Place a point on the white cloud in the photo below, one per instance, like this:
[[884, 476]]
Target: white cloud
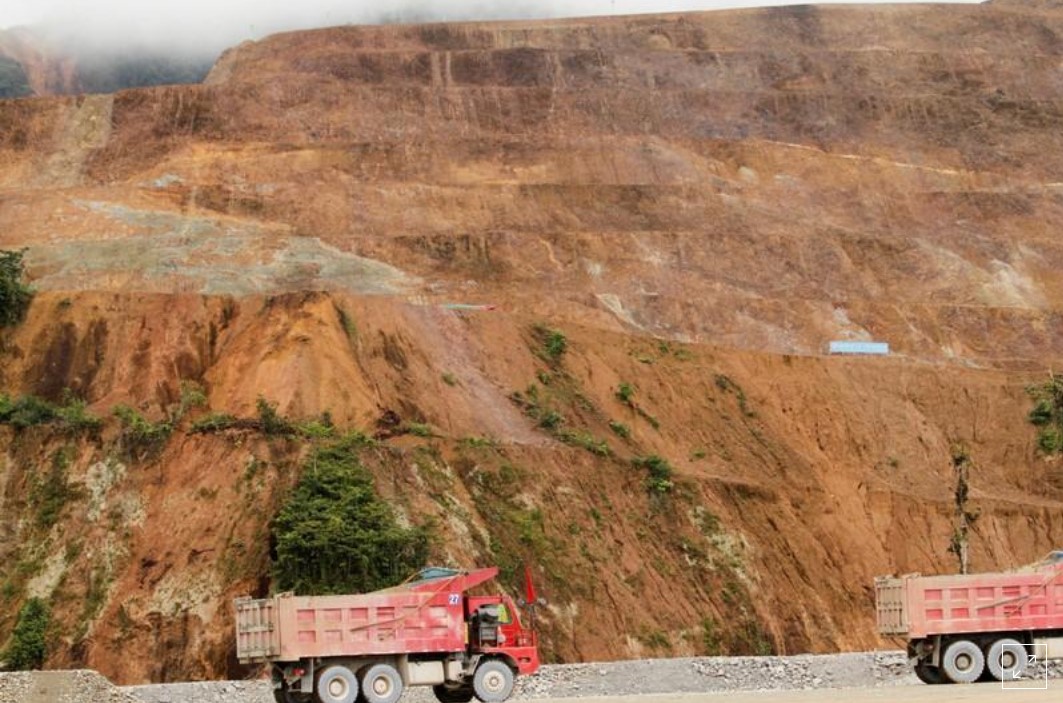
[[213, 24]]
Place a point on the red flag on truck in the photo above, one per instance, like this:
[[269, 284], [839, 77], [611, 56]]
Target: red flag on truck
[[529, 587]]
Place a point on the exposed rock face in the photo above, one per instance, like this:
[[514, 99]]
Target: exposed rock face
[[699, 202]]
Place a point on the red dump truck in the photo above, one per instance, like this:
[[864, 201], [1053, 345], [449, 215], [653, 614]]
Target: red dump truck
[[964, 628], [428, 631]]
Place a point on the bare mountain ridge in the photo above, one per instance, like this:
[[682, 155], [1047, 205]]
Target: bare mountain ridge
[[700, 202]]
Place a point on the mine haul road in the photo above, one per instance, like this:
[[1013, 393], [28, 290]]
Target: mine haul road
[[976, 693]]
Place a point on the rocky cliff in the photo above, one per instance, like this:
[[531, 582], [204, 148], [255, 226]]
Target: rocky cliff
[[396, 226]]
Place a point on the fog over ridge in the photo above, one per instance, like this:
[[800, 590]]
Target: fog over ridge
[[201, 27]]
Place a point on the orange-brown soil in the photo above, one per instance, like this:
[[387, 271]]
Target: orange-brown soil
[[699, 202]]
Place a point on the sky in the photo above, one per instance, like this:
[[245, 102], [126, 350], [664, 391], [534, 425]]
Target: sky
[[213, 24]]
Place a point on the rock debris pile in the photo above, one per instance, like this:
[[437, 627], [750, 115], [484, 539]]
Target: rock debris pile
[[61, 687]]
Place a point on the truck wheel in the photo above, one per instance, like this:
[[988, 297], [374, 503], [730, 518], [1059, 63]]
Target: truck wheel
[[381, 683], [493, 681], [1005, 659], [445, 694], [962, 662], [336, 684], [930, 674]]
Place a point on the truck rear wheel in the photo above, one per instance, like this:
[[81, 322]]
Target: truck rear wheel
[[336, 684], [930, 674], [962, 661], [447, 694], [493, 681], [1005, 659], [381, 683]]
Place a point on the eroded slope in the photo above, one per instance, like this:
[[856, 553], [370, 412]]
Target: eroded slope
[[698, 202]]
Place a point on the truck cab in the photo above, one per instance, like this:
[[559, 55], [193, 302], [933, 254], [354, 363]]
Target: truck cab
[[495, 629]]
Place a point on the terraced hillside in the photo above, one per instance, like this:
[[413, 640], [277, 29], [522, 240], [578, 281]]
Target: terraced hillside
[[530, 257]]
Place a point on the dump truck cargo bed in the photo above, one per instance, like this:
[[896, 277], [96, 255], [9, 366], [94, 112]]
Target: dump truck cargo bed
[[1020, 601]]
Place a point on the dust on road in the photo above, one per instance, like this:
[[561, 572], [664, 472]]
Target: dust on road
[[893, 694]]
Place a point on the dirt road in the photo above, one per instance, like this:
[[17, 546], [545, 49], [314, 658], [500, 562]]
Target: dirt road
[[892, 694]]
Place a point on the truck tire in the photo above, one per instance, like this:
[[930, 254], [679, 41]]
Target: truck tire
[[962, 661], [1005, 659], [493, 681], [929, 674], [336, 684], [446, 694], [381, 683]]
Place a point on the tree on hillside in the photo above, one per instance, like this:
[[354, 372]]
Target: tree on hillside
[[15, 295], [28, 646], [13, 81], [336, 535]]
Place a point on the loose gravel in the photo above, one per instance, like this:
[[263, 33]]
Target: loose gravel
[[61, 687], [690, 675], [647, 676]]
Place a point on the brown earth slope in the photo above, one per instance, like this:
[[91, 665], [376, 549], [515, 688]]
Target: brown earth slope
[[699, 202]]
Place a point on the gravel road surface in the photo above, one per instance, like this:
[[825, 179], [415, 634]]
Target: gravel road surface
[[863, 677], [978, 693]]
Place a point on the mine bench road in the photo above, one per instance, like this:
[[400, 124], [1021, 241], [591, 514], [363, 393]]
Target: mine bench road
[[887, 694]]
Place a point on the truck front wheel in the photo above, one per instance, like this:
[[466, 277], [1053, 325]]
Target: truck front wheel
[[962, 661], [493, 681], [336, 684]]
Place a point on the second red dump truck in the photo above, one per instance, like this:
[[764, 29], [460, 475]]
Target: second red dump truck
[[330, 649], [978, 626]]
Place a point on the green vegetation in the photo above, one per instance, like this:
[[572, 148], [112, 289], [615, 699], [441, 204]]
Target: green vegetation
[[74, 417], [141, 437], [450, 379], [419, 429], [711, 646], [725, 384], [317, 428], [25, 411], [1047, 413], [620, 429], [656, 640], [553, 343], [478, 442], [29, 646], [192, 396], [517, 529], [213, 422], [49, 493], [585, 440], [15, 295], [13, 80], [95, 598], [30, 411], [336, 535], [551, 420], [625, 393], [659, 478], [270, 422]]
